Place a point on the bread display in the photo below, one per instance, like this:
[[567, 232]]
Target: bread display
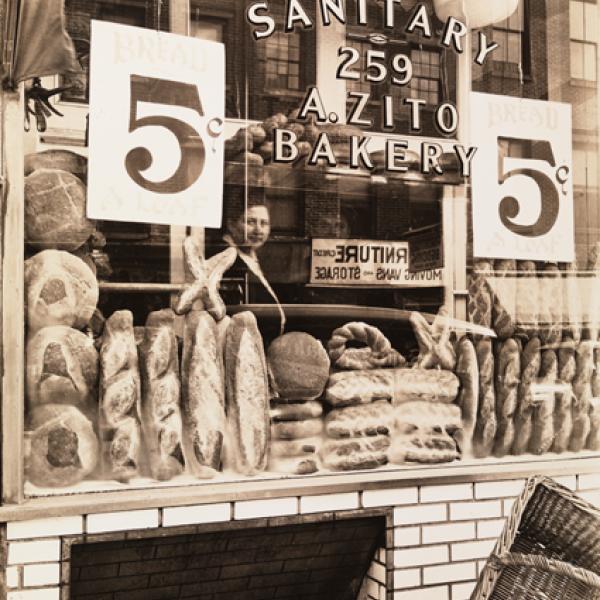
[[161, 396], [120, 399], [420, 414], [479, 306], [376, 418], [468, 397], [61, 447], [378, 352], [202, 395], [563, 417], [296, 465], [296, 430], [60, 289], [531, 360], [430, 449], [572, 304], [355, 453], [486, 425], [292, 448], [298, 366], [57, 159], [247, 395], [551, 310], [55, 209], [593, 440], [542, 429], [582, 389], [62, 368], [348, 388], [508, 375]]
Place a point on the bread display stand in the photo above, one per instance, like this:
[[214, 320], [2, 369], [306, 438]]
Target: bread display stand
[[548, 548]]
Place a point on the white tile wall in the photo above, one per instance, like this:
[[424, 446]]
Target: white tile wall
[[192, 515], [39, 528], [23, 553], [122, 520], [273, 507], [412, 515], [39, 575], [433, 534], [391, 497], [41, 594], [328, 502]]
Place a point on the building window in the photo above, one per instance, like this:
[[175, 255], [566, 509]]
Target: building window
[[426, 80], [279, 62], [585, 167], [583, 26], [511, 36]]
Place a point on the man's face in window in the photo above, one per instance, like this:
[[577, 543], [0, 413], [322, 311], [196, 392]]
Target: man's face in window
[[252, 231]]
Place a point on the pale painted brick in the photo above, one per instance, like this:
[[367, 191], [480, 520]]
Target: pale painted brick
[[327, 502], [593, 497], [490, 529], [372, 588], [39, 528], [449, 573], [21, 553], [41, 594], [472, 550], [377, 572], [453, 532], [460, 511], [122, 520], [413, 515], [407, 578], [445, 493], [39, 575], [480, 565], [12, 577], [392, 497], [590, 481], [507, 506], [569, 481], [463, 591], [415, 557], [382, 592], [271, 507], [439, 592], [191, 515], [499, 489], [381, 555], [407, 536]]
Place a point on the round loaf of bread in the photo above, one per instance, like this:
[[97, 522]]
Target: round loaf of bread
[[60, 289], [62, 368], [65, 160], [61, 447], [298, 365], [55, 204]]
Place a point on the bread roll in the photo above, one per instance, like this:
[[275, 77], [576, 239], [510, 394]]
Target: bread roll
[[376, 418], [486, 425], [530, 368], [582, 388], [297, 465], [120, 399], [355, 453], [203, 395], [426, 416], [62, 368], [468, 397], [60, 289], [55, 208], [296, 430], [247, 395], [508, 375], [435, 348], [297, 411], [291, 448], [349, 388], [427, 449], [61, 446], [161, 396], [298, 366], [527, 300]]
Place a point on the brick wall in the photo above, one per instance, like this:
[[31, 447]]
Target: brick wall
[[437, 540]]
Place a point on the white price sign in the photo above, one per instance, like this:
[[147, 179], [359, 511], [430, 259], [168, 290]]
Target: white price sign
[[522, 185], [157, 104]]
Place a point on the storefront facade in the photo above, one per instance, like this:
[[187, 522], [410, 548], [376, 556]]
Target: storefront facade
[[406, 330]]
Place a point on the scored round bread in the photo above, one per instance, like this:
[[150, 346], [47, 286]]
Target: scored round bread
[[298, 366], [64, 160], [61, 447], [60, 289], [55, 206], [295, 430], [297, 411], [62, 368]]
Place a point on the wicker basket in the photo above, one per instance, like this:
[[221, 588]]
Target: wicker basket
[[549, 548]]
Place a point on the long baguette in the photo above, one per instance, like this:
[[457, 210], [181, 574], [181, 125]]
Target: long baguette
[[527, 302], [542, 431], [530, 367], [485, 428], [504, 289], [468, 373], [593, 440], [582, 388], [508, 375], [563, 417]]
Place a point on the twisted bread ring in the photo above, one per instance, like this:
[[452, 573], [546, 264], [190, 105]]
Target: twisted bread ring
[[359, 332]]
